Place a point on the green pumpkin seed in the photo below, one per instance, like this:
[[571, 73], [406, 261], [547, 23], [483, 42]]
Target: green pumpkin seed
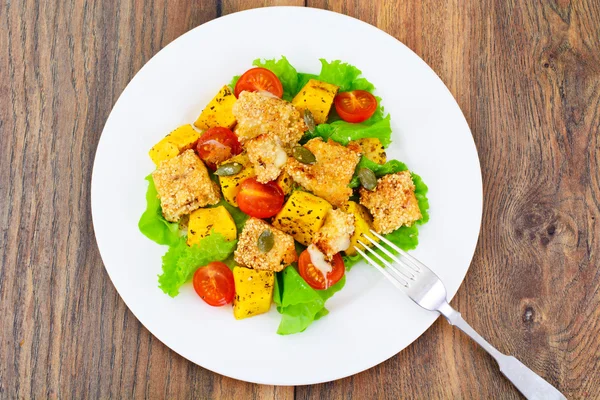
[[265, 241], [309, 120], [229, 169], [367, 178], [304, 155]]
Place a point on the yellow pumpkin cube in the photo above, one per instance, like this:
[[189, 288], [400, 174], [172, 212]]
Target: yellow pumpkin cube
[[253, 291], [317, 97], [363, 223], [302, 216], [285, 182], [218, 111], [205, 220], [372, 149], [175, 143], [230, 185]]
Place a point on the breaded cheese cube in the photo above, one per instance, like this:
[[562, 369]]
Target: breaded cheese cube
[[302, 216], [176, 142], [247, 254], [393, 202], [372, 149], [330, 175], [268, 157], [183, 185], [219, 111], [334, 235], [259, 113], [317, 97]]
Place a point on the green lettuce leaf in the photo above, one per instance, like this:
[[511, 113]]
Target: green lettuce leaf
[[152, 223], [344, 132], [350, 261], [298, 303], [344, 75], [181, 261], [421, 195], [234, 81]]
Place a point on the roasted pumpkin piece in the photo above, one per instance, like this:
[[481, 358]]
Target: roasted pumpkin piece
[[302, 216], [205, 220], [175, 143], [317, 97], [285, 182], [230, 185], [372, 149], [253, 291], [218, 111], [363, 223]]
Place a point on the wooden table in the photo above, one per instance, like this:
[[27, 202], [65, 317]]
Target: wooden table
[[525, 73]]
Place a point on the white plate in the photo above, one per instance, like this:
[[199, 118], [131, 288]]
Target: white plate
[[369, 319]]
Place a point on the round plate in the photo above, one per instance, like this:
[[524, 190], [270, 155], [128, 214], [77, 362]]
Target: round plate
[[369, 320]]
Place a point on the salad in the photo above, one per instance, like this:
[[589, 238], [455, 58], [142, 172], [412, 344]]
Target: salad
[[266, 196]]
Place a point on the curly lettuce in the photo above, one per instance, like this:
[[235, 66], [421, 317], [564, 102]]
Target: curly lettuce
[[343, 132], [298, 303]]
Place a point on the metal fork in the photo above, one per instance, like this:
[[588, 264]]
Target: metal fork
[[427, 290]]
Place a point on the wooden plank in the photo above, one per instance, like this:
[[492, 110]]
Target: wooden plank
[[231, 6], [64, 331], [526, 76]]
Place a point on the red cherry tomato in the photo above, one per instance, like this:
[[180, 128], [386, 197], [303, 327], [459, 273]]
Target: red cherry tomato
[[355, 106], [260, 200], [314, 277], [257, 79], [214, 284], [217, 145]]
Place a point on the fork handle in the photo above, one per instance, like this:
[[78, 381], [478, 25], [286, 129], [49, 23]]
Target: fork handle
[[531, 385]]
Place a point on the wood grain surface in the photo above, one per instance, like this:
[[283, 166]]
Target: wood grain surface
[[527, 77]]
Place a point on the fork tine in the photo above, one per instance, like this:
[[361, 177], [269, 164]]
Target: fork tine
[[380, 257], [391, 267], [395, 280], [393, 257], [417, 266]]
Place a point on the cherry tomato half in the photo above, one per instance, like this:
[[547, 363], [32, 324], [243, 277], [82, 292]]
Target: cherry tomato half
[[217, 145], [257, 79], [314, 277], [214, 284], [260, 200], [355, 106]]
